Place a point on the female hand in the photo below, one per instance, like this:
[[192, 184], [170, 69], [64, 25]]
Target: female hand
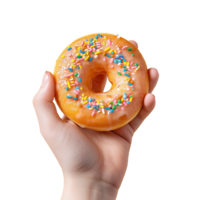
[[93, 163]]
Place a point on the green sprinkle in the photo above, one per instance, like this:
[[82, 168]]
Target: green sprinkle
[[132, 54], [136, 64], [92, 52], [111, 102], [129, 49], [119, 73], [112, 52], [113, 107], [117, 104], [133, 89], [79, 56], [130, 95], [75, 74], [119, 100]]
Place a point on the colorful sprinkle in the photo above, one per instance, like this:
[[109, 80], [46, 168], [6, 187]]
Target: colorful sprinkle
[[129, 49], [69, 48]]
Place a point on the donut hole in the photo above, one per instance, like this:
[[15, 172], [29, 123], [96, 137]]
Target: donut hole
[[98, 81]]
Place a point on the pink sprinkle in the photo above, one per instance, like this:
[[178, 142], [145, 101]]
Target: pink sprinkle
[[97, 42], [104, 59], [80, 59], [69, 75], [76, 82], [122, 108], [78, 90], [82, 43], [131, 85], [75, 92], [90, 103], [98, 46], [129, 94], [90, 50], [116, 110], [124, 103], [126, 99], [111, 66], [129, 69], [131, 63], [106, 102], [70, 55], [133, 67], [109, 41], [111, 60], [119, 51], [73, 84], [88, 44], [124, 47], [94, 49], [74, 57], [109, 106], [93, 112], [115, 101]]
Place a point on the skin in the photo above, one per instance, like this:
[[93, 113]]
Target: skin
[[93, 163]]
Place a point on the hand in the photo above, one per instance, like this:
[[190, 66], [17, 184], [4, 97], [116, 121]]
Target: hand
[[93, 163]]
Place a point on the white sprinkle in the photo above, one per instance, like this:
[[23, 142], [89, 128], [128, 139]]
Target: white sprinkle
[[95, 56]]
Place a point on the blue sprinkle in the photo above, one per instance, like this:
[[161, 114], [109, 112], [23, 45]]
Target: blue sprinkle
[[67, 88], [90, 59], [107, 108], [69, 48], [79, 79], [96, 37], [77, 67], [119, 61], [115, 61], [108, 55], [123, 59], [89, 100], [97, 108], [124, 66], [75, 99], [117, 57], [124, 70], [88, 106], [69, 97], [111, 111], [86, 40], [70, 69], [95, 47], [127, 75], [99, 35], [124, 96], [130, 84], [81, 51], [93, 107], [93, 99], [127, 102], [76, 87], [91, 43], [91, 39], [121, 55]]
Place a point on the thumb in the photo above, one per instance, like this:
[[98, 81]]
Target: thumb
[[45, 109]]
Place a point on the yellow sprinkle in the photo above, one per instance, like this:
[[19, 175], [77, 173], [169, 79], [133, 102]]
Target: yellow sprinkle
[[63, 56], [95, 40], [93, 45], [68, 46], [137, 69], [102, 106], [130, 99], [98, 101], [68, 84], [111, 51], [79, 47], [107, 49], [73, 65], [83, 55], [87, 42], [122, 99], [83, 94], [98, 52], [73, 60], [108, 103], [78, 54], [115, 51], [87, 58], [105, 38], [87, 53], [103, 43], [127, 64], [80, 66], [126, 79], [85, 97], [82, 98], [71, 77], [90, 108], [75, 51], [81, 88], [84, 102], [124, 63], [72, 82]]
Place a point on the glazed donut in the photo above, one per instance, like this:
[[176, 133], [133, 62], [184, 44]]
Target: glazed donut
[[76, 69]]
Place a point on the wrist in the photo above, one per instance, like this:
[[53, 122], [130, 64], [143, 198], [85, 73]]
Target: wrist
[[81, 188]]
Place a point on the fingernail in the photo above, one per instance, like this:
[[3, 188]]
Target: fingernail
[[45, 78]]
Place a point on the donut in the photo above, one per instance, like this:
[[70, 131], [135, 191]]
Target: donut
[[76, 69]]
